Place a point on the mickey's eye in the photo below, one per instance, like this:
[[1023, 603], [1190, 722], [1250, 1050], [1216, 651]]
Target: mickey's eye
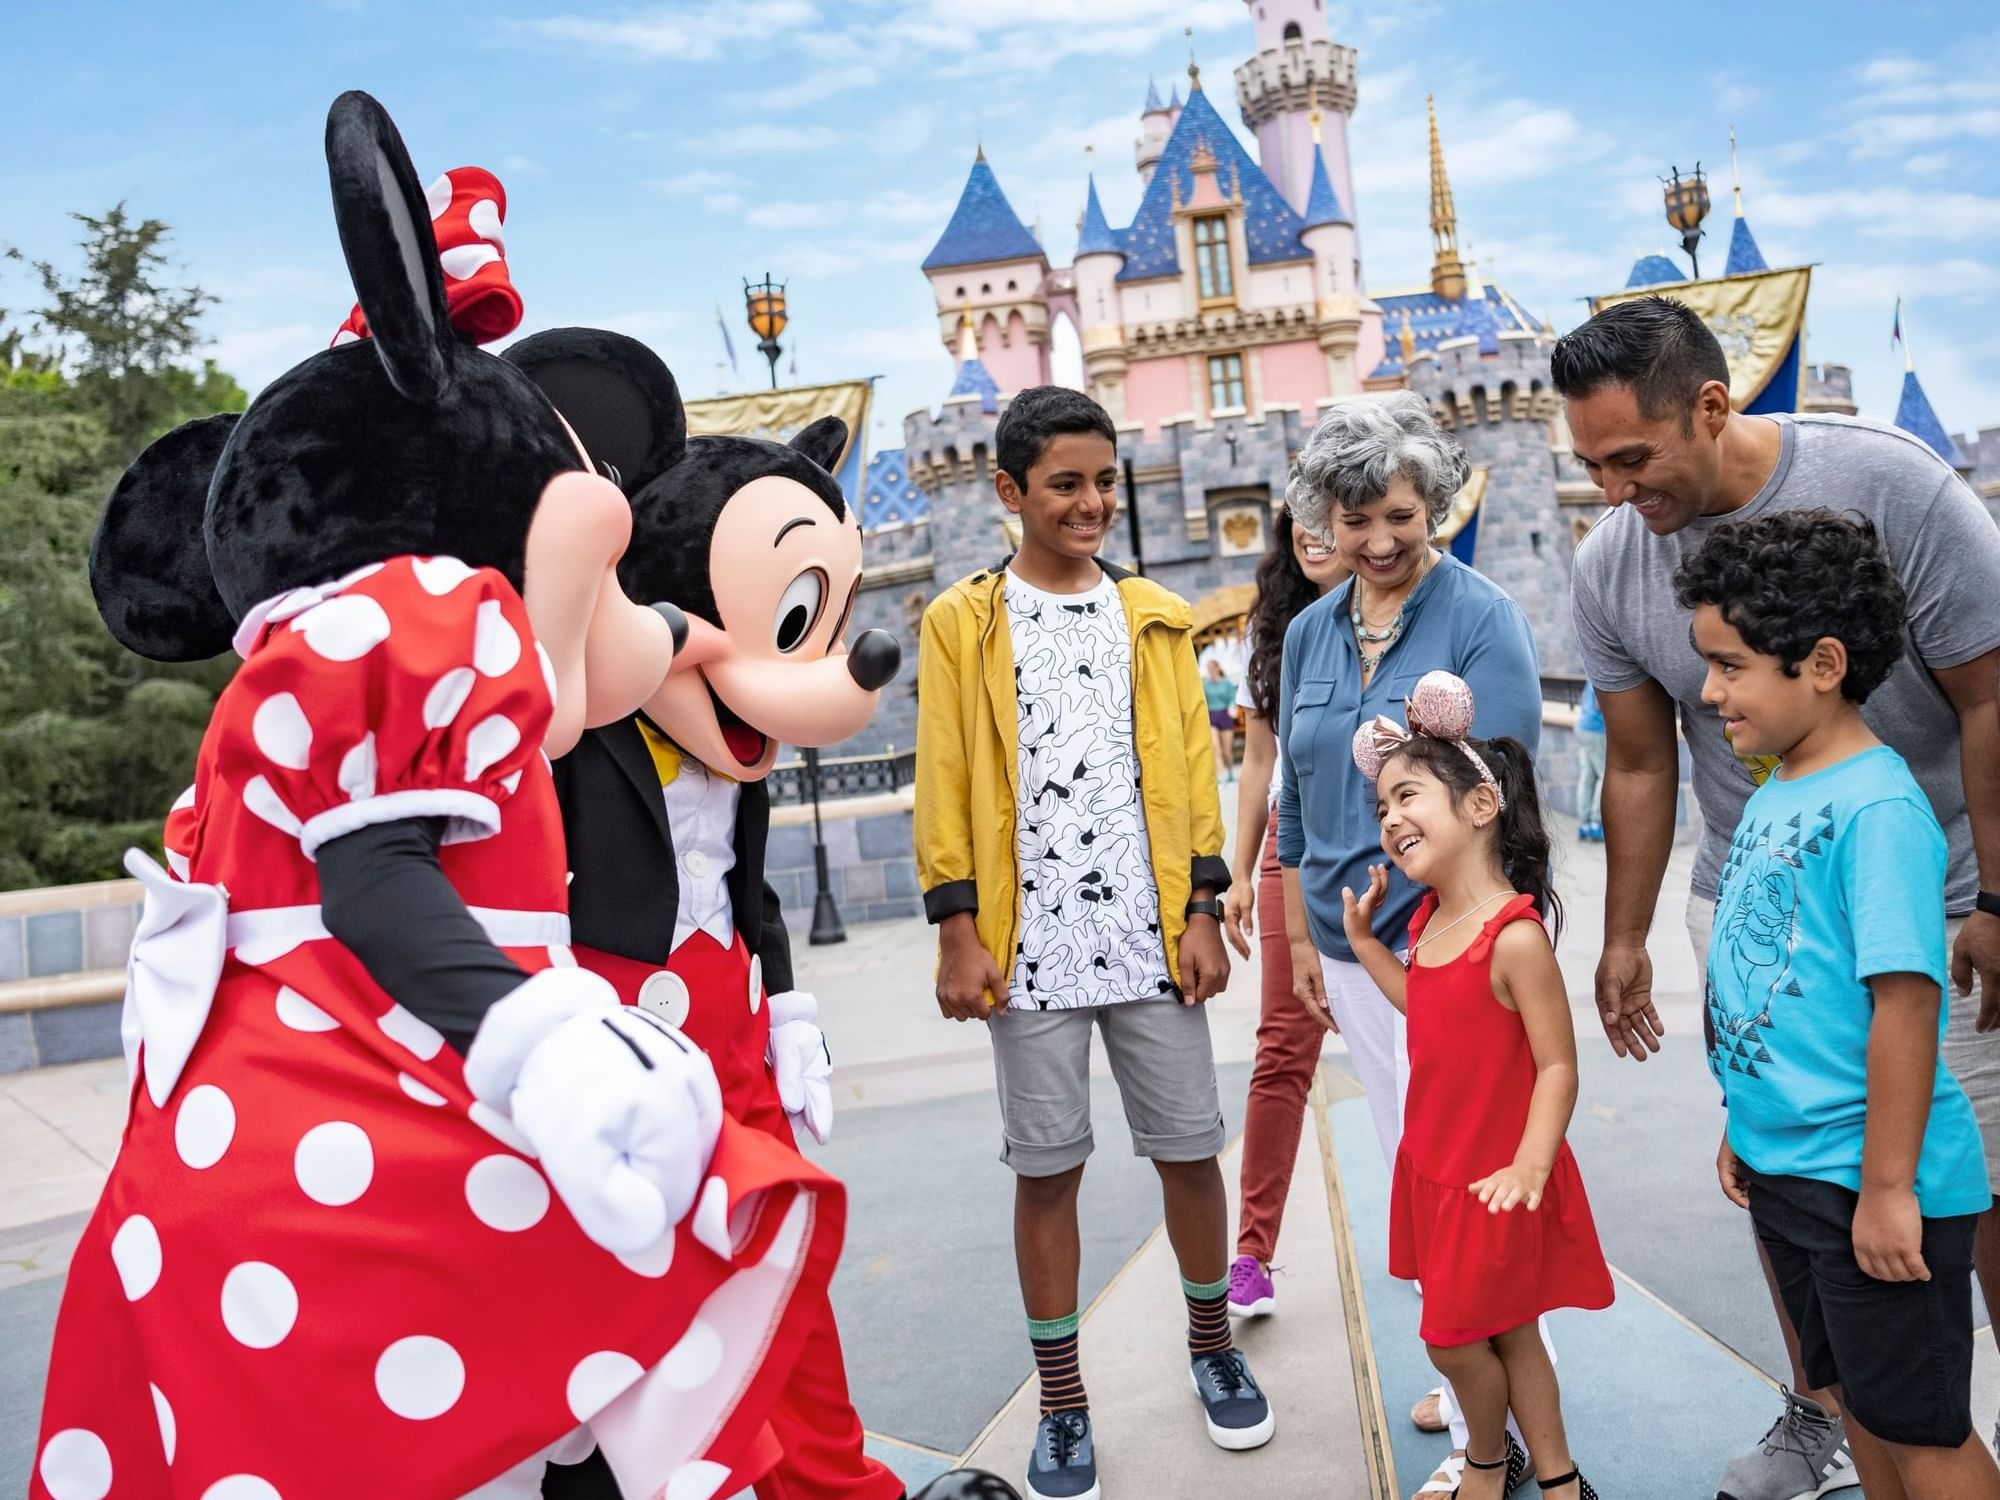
[[799, 609]]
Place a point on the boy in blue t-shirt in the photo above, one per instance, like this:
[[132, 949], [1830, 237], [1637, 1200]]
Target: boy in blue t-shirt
[[1851, 1145]]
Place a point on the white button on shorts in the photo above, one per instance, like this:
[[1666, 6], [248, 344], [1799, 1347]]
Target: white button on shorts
[[666, 996]]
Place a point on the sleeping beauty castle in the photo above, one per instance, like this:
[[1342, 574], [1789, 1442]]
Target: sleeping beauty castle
[[1221, 321]]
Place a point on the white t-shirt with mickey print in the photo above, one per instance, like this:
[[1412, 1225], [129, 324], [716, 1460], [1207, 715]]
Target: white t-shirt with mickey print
[[1090, 911]]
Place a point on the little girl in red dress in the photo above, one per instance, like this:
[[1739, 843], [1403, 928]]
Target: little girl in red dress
[[1487, 1210]]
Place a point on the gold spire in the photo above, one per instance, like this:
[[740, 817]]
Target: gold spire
[[1194, 71], [1408, 340], [968, 339], [1315, 120], [1447, 275], [1735, 180]]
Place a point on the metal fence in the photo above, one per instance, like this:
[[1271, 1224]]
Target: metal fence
[[844, 776], [1561, 688]]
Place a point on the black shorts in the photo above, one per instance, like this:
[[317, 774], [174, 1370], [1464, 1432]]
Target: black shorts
[[1900, 1351]]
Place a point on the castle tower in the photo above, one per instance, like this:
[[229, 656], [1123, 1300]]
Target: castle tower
[[1447, 275], [1156, 123], [1493, 392], [1099, 259], [1298, 69], [1744, 256], [1329, 234], [988, 265]]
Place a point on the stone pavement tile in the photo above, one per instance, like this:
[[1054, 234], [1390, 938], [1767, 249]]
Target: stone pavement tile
[[1144, 1415], [85, 1101], [27, 1321], [43, 1174]]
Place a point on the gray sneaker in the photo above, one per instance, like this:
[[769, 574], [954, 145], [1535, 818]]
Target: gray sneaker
[[1064, 1463], [1802, 1457]]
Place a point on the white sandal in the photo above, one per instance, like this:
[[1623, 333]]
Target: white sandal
[[1445, 1479], [1435, 1393]]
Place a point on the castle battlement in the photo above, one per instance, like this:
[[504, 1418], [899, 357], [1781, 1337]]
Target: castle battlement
[[1300, 76], [949, 446], [1508, 382]]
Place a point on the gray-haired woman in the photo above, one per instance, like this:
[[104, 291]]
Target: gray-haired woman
[[1375, 479]]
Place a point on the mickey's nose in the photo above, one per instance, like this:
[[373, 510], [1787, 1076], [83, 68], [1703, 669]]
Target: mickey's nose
[[873, 659]]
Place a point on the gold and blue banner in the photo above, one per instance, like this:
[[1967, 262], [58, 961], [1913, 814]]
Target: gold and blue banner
[[779, 415], [1759, 319]]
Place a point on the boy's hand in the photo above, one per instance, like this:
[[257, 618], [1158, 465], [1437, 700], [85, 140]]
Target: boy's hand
[[1239, 913], [970, 986], [1889, 1234], [1309, 984], [1358, 916], [1517, 1183], [1204, 964], [1729, 1172]]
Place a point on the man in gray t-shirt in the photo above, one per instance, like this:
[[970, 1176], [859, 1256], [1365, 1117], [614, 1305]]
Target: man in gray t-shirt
[[1648, 407]]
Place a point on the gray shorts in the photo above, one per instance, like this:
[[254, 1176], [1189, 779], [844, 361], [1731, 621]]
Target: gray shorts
[[1162, 1061], [1973, 1057]]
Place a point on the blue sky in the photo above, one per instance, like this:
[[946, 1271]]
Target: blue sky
[[654, 156]]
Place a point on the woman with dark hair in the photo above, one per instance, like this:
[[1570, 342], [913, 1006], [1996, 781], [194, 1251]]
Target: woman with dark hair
[[1376, 478], [1295, 570]]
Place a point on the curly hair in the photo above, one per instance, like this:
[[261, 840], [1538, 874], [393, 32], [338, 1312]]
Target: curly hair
[[1525, 854], [1359, 447], [1282, 591], [1788, 581]]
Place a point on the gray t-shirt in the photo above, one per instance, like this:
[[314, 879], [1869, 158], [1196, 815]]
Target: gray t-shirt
[[1944, 546]]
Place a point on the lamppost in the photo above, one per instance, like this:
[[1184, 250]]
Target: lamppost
[[1687, 206], [765, 306], [827, 927]]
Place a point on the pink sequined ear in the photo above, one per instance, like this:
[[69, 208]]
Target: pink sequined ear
[[1441, 706], [1367, 753]]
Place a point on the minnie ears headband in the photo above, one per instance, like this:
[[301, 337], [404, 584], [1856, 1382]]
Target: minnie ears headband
[[1439, 707], [468, 207]]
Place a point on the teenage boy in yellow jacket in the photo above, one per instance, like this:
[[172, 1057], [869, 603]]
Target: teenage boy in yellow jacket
[[1069, 842]]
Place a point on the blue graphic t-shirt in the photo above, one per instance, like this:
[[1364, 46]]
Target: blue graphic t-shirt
[[1832, 878]]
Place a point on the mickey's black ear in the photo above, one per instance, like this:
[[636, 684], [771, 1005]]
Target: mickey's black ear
[[148, 562], [615, 392], [385, 231], [823, 442]]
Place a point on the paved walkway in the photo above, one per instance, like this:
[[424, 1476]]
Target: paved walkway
[[1660, 1389]]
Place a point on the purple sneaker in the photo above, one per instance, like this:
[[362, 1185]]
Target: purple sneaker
[[1251, 1294]]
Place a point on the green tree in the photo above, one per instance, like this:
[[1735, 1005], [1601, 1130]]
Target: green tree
[[94, 741]]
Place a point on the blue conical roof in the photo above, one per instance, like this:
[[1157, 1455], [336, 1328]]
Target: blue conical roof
[[1323, 203], [984, 226], [975, 380], [1654, 270], [1095, 234], [1153, 101], [1744, 256], [1271, 227], [1914, 416]]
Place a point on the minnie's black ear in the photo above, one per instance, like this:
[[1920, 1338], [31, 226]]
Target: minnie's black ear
[[385, 231], [823, 442], [615, 392], [148, 562]]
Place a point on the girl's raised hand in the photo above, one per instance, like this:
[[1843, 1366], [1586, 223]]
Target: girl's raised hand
[[1358, 916], [1514, 1184]]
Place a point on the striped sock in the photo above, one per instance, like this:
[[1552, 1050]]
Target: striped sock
[[1208, 1316], [1054, 1340]]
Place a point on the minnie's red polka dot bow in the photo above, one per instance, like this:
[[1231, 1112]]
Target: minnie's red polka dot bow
[[468, 207]]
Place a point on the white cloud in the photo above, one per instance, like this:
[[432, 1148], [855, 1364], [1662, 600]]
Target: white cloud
[[700, 180], [521, 166], [761, 137], [257, 354], [683, 32], [1893, 134], [1734, 94]]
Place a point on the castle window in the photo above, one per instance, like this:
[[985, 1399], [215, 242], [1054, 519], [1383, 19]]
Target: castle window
[[1225, 382], [1292, 32], [1211, 258]]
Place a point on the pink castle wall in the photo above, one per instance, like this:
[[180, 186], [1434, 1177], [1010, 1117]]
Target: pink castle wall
[[1015, 363], [1156, 389], [1295, 373]]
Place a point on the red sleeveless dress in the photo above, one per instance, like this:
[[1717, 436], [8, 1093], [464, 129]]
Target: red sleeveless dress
[[1471, 1077]]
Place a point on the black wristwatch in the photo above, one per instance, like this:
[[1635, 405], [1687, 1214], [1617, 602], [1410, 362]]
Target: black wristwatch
[[1208, 906], [1989, 902]]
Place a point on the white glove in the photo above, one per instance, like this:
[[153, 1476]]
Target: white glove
[[622, 1109], [801, 1062]]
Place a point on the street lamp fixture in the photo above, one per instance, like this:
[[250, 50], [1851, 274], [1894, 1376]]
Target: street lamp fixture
[[1687, 206], [765, 306]]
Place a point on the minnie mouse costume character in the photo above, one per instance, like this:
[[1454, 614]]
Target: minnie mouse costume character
[[667, 812], [406, 1202]]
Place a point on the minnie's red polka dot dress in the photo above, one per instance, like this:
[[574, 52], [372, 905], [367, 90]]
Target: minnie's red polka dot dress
[[319, 1267]]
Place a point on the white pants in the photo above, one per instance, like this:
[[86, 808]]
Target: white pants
[[1376, 1040]]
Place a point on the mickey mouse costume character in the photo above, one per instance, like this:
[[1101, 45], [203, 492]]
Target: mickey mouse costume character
[[667, 811], [406, 1203]]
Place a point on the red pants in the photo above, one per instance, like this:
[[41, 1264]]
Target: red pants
[[814, 1422], [1288, 1043]]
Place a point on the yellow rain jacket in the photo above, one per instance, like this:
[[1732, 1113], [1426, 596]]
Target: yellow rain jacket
[[968, 761]]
